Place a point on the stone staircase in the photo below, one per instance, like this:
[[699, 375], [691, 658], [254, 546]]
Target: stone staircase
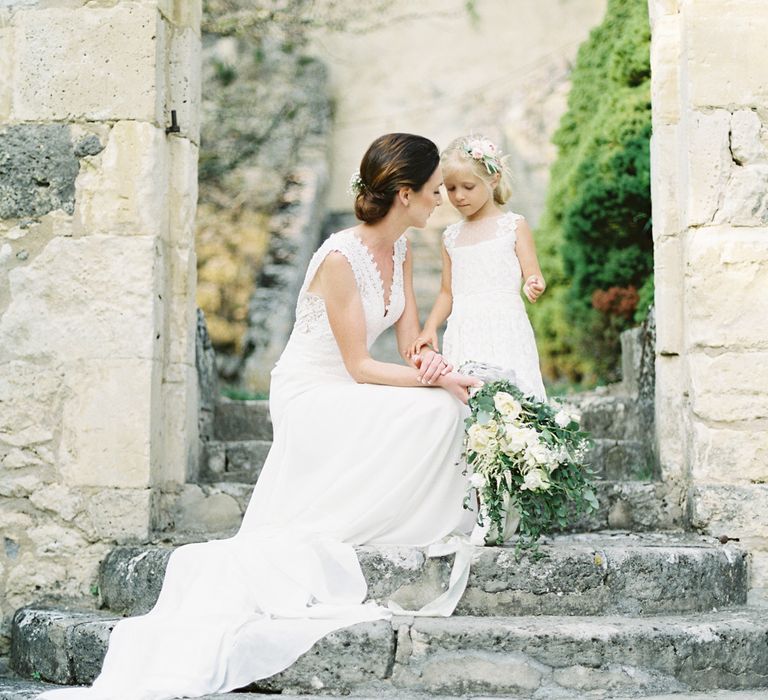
[[626, 604]]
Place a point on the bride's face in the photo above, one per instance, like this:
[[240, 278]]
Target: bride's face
[[423, 202]]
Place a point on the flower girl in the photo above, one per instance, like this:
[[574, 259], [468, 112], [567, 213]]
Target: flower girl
[[486, 257]]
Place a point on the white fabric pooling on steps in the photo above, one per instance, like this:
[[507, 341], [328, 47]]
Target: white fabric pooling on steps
[[350, 464]]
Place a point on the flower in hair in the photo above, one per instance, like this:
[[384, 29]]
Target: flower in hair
[[356, 184], [484, 150]]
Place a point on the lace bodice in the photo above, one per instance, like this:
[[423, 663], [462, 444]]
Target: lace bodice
[[312, 340], [483, 257]]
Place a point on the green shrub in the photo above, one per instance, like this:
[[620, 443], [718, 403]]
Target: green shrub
[[595, 233]]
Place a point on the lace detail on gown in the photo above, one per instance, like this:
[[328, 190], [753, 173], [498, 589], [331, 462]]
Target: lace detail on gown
[[311, 317], [488, 322]]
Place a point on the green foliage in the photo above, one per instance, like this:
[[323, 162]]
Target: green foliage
[[242, 394], [646, 300], [519, 437], [596, 230]]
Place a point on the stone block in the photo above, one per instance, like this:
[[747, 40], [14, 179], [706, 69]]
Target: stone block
[[184, 79], [242, 420], [665, 77], [183, 192], [239, 461], [124, 190], [107, 422], [671, 409], [725, 278], [83, 298], [749, 138], [71, 69], [725, 50], [745, 203], [340, 662], [709, 165], [183, 13], [120, 515], [730, 387], [39, 170], [179, 439], [668, 265], [6, 70], [29, 410], [659, 9], [130, 578], [198, 511], [735, 511]]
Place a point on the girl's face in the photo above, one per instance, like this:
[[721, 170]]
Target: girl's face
[[421, 204], [467, 192]]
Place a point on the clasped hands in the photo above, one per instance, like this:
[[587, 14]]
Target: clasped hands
[[431, 365], [434, 370]]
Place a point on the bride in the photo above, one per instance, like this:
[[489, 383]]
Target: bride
[[364, 452]]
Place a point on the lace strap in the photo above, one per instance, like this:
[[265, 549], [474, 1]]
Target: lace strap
[[449, 235], [338, 243], [508, 225]]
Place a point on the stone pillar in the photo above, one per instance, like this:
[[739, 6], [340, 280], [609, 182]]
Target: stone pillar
[[97, 276], [709, 156]]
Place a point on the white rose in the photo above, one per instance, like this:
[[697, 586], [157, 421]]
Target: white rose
[[562, 418], [482, 438], [531, 437], [507, 405], [515, 439], [535, 480], [477, 480], [538, 454]]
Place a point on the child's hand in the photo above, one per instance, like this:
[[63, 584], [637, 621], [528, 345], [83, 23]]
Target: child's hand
[[426, 338], [533, 288]]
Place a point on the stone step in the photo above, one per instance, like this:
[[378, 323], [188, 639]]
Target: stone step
[[242, 460], [605, 417], [621, 459], [545, 656], [595, 574], [18, 689], [233, 460], [242, 420], [632, 505], [213, 508], [613, 416]]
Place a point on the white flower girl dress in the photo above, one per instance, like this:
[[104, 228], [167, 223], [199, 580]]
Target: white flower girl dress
[[488, 323], [350, 463]]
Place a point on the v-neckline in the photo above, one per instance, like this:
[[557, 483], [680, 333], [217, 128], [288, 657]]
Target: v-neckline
[[387, 303]]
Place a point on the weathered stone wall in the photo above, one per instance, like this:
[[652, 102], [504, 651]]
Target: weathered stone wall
[[710, 221], [97, 314]]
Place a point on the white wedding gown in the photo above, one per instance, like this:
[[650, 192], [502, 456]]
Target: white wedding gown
[[488, 323], [350, 464]]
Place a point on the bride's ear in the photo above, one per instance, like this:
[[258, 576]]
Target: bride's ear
[[404, 195]]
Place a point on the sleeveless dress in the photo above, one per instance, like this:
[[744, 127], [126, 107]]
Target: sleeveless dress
[[488, 323], [350, 464]]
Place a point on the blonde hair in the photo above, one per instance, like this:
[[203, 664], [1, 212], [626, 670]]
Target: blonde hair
[[480, 155]]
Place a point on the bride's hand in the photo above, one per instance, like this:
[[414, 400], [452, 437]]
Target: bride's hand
[[458, 385], [431, 366]]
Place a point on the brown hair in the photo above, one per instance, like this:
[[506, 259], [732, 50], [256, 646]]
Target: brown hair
[[392, 161]]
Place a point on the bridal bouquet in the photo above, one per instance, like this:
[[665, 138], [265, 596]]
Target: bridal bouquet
[[524, 457]]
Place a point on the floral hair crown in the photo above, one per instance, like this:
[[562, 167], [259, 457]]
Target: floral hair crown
[[356, 184], [484, 150]]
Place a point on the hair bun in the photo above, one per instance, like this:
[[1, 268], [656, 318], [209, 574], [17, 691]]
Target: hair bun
[[372, 206]]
